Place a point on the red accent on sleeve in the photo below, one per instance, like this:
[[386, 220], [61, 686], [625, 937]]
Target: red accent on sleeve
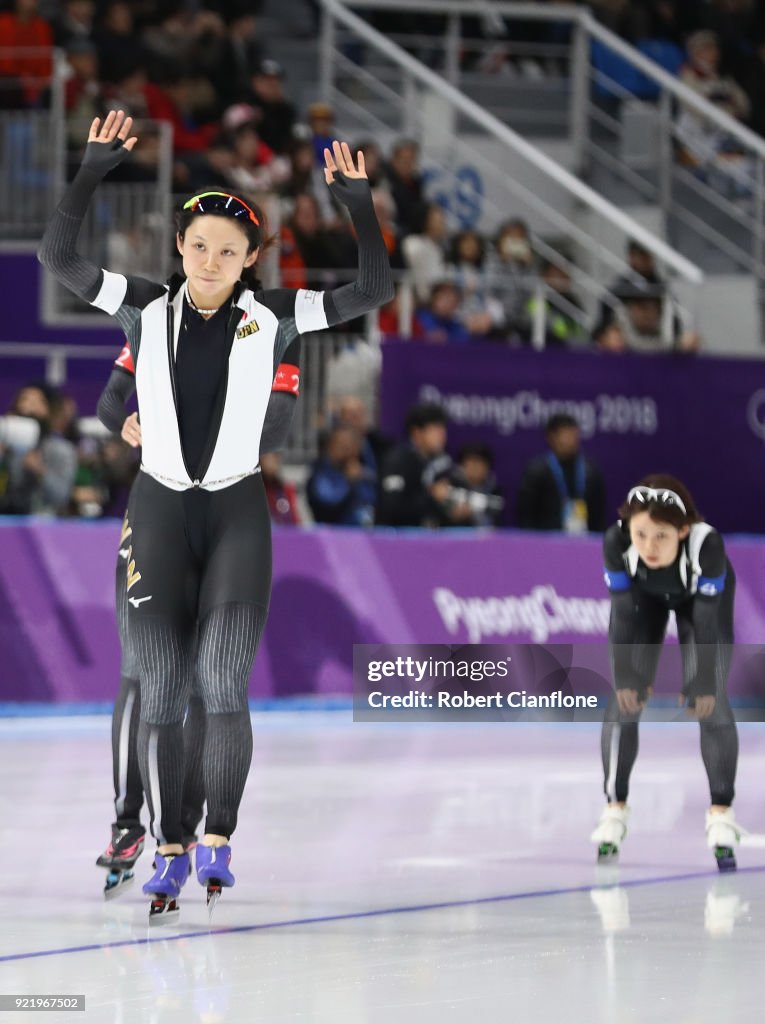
[[287, 379], [125, 360]]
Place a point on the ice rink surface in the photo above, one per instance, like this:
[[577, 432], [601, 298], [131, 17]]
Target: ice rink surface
[[393, 873]]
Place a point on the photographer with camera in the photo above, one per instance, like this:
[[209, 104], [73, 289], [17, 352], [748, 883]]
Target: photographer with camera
[[40, 465]]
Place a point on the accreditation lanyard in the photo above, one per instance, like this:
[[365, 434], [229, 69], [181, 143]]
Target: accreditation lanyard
[[574, 507]]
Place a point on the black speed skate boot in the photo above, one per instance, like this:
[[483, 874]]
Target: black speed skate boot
[[119, 858]]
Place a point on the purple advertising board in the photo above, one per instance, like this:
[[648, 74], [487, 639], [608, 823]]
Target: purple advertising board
[[701, 419], [333, 588]]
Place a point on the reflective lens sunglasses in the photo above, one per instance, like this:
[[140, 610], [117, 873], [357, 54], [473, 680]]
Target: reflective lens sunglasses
[[661, 495], [221, 202]]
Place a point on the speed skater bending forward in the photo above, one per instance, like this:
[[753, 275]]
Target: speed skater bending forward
[[659, 557], [206, 347]]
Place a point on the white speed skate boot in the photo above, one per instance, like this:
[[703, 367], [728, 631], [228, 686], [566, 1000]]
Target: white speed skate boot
[[611, 830], [723, 835]]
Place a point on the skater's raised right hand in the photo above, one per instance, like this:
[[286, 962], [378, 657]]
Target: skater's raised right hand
[[109, 143]]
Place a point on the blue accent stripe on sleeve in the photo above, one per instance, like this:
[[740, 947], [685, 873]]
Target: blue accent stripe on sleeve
[[617, 580], [710, 586]]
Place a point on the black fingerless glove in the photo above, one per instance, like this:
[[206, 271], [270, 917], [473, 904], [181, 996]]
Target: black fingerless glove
[[102, 157], [353, 193]]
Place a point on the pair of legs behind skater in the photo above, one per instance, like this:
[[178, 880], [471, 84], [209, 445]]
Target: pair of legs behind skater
[[128, 834], [205, 626]]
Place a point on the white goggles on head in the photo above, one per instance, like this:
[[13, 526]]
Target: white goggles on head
[[661, 495]]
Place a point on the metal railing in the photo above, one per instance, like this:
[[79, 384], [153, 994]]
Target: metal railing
[[29, 140], [637, 133], [584, 233], [332, 365], [703, 168], [127, 225]]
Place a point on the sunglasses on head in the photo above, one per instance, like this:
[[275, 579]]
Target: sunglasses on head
[[661, 495], [221, 202]]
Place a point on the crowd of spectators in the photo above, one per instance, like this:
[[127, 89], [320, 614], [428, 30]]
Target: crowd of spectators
[[54, 464], [208, 72]]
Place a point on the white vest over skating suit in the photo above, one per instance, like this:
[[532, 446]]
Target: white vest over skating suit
[[263, 327]]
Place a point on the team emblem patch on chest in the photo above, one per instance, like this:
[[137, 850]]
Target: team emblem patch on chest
[[247, 329]]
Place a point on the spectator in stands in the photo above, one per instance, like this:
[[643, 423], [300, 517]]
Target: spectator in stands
[[642, 267], [41, 480], [510, 269], [253, 166], [384, 208], [414, 480], [321, 121], [310, 252], [193, 41], [563, 489], [474, 475], [83, 94], [425, 252], [406, 186], [642, 282], [467, 268], [754, 80], [74, 23], [561, 307], [26, 45], [281, 496], [243, 55], [305, 176], [650, 324], [354, 370], [275, 113], [143, 99], [439, 320], [706, 147], [735, 23], [341, 489], [117, 469], [609, 337], [352, 412], [373, 162], [119, 44], [134, 249]]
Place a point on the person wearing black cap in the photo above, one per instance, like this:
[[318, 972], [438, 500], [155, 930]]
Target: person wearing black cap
[[206, 347], [276, 115], [647, 317], [414, 479]]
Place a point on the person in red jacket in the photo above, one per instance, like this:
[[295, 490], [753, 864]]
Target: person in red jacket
[[26, 45]]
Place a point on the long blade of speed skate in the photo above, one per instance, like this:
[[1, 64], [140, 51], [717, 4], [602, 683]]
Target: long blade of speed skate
[[163, 910], [117, 882], [214, 889]]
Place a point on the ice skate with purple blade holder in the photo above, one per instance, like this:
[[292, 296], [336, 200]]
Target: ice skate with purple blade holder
[[170, 874], [213, 872]]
